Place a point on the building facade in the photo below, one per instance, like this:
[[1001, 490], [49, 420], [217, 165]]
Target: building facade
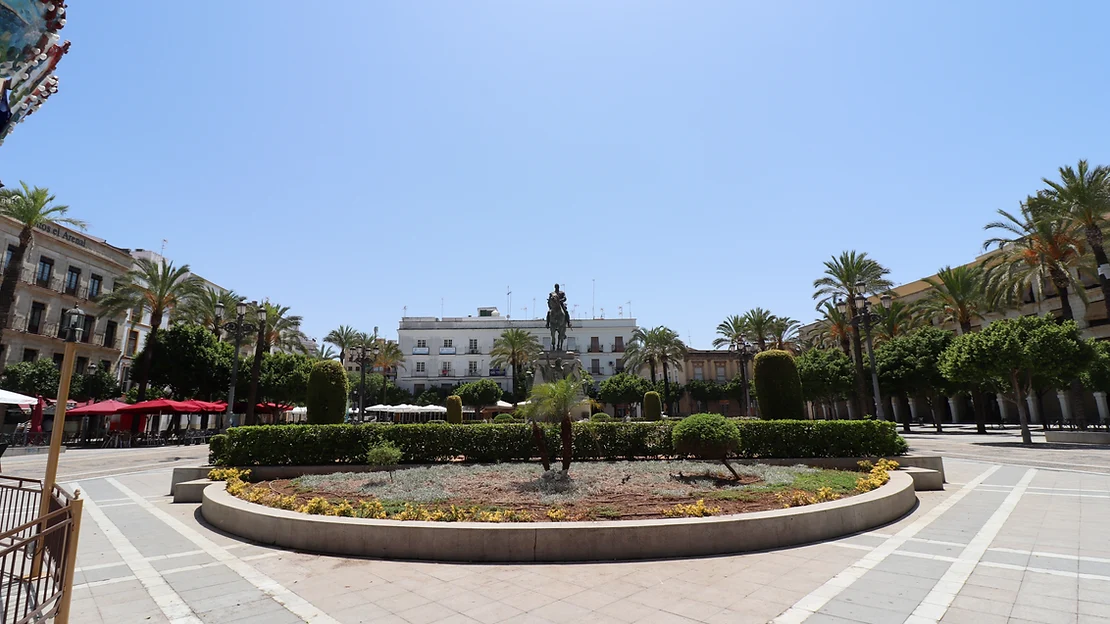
[[451, 350], [713, 366], [64, 268]]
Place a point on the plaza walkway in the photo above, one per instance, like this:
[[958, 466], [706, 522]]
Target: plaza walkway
[[1027, 540]]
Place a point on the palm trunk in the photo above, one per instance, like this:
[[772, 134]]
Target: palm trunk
[[1023, 414], [1075, 387], [566, 431], [1094, 239], [7, 287], [652, 367], [541, 445], [256, 369], [666, 388], [148, 360], [857, 346], [937, 410]]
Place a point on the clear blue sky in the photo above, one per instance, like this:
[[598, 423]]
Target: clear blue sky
[[696, 159]]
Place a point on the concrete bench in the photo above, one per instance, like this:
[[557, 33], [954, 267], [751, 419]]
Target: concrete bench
[[190, 491]]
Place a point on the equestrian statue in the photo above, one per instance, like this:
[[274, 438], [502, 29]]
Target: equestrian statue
[[558, 319]]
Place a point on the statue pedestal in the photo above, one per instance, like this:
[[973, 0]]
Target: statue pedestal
[[556, 365]]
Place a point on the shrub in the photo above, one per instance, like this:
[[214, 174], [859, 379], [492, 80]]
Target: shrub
[[777, 386], [693, 510], [327, 393], [503, 419], [653, 407], [303, 445], [601, 417], [707, 436], [454, 409], [383, 454]]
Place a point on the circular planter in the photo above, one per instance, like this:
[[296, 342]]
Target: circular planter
[[559, 541]]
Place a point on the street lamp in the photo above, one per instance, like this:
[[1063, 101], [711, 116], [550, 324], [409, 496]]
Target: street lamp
[[74, 325], [238, 326], [747, 352], [256, 365], [361, 357], [864, 314]]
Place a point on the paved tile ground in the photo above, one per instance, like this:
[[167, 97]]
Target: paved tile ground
[[1006, 542]]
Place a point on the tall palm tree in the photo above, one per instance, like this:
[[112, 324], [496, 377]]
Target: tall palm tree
[[30, 207], [896, 321], [834, 328], [202, 310], [784, 332], [850, 274], [760, 324], [517, 348], [656, 347], [553, 402], [159, 288], [732, 333], [343, 337], [388, 357], [1044, 245], [281, 331], [959, 295], [1085, 194], [324, 352]]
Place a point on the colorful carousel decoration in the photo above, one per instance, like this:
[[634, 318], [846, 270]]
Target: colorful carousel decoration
[[30, 49]]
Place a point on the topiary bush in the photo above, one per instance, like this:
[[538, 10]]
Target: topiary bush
[[601, 417], [503, 419], [653, 406], [454, 409], [327, 393], [384, 455], [707, 436], [778, 386]]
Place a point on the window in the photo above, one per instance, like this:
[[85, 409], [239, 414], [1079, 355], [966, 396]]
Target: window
[[721, 372], [473, 346], [34, 322], [420, 367], [448, 343], [58, 359], [8, 255], [132, 342], [30, 355], [417, 389], [446, 370], [595, 345], [421, 344], [620, 366], [595, 367], [699, 372], [472, 368], [82, 365], [87, 329], [110, 334], [73, 278], [44, 272], [618, 344], [106, 366], [96, 283]]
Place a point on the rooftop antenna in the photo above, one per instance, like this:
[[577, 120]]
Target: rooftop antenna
[[404, 311], [629, 308], [574, 311], [533, 307], [593, 297], [620, 311], [441, 308], [603, 313], [509, 294], [163, 252], [525, 308]]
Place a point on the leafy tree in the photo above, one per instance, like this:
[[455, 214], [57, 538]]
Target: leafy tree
[[847, 276], [97, 386], [826, 375], [1096, 377], [702, 391], [1084, 194], [1008, 355], [40, 377], [479, 394], [623, 389], [284, 378], [656, 347], [159, 288], [192, 363], [281, 331], [152, 393], [517, 348], [30, 208], [910, 365]]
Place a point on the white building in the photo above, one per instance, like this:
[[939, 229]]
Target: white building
[[454, 350]]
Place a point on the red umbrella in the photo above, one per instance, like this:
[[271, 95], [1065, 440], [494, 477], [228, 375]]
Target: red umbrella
[[212, 407], [36, 415], [159, 406], [104, 408]]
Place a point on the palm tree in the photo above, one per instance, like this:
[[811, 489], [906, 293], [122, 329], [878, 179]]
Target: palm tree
[[281, 331], [159, 288], [958, 296], [760, 324], [553, 402], [202, 310], [324, 352], [732, 333], [835, 329], [896, 321], [1045, 245], [656, 347], [343, 337], [30, 207], [851, 274], [784, 332], [517, 348], [1085, 194], [388, 357]]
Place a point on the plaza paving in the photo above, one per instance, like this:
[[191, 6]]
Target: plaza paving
[[1021, 536]]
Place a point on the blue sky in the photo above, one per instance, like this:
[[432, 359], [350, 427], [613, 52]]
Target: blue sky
[[696, 159]]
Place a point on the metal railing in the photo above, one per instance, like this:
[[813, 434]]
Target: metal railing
[[37, 555]]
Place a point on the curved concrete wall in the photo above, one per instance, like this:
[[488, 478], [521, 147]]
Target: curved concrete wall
[[559, 541]]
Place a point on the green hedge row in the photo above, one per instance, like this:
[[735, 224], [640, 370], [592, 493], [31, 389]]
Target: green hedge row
[[347, 444]]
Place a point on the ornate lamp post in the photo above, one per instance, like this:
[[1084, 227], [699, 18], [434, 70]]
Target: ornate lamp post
[[867, 317], [256, 365], [237, 326], [361, 356], [747, 352]]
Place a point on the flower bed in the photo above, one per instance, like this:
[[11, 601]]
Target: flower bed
[[300, 445], [519, 493]]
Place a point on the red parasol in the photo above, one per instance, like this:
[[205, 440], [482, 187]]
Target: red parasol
[[104, 408], [161, 406], [36, 415]]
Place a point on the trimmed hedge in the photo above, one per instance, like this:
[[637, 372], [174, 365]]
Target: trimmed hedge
[[778, 386], [706, 436], [327, 393], [653, 407], [272, 445], [454, 409]]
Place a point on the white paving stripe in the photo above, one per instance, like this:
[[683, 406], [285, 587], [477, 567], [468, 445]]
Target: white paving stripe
[[291, 601], [936, 603], [168, 601], [118, 579], [819, 597]]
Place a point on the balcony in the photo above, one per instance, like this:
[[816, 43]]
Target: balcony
[[422, 373], [595, 371], [496, 372], [617, 348], [474, 351], [445, 373], [420, 350], [595, 349], [447, 350], [474, 372]]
